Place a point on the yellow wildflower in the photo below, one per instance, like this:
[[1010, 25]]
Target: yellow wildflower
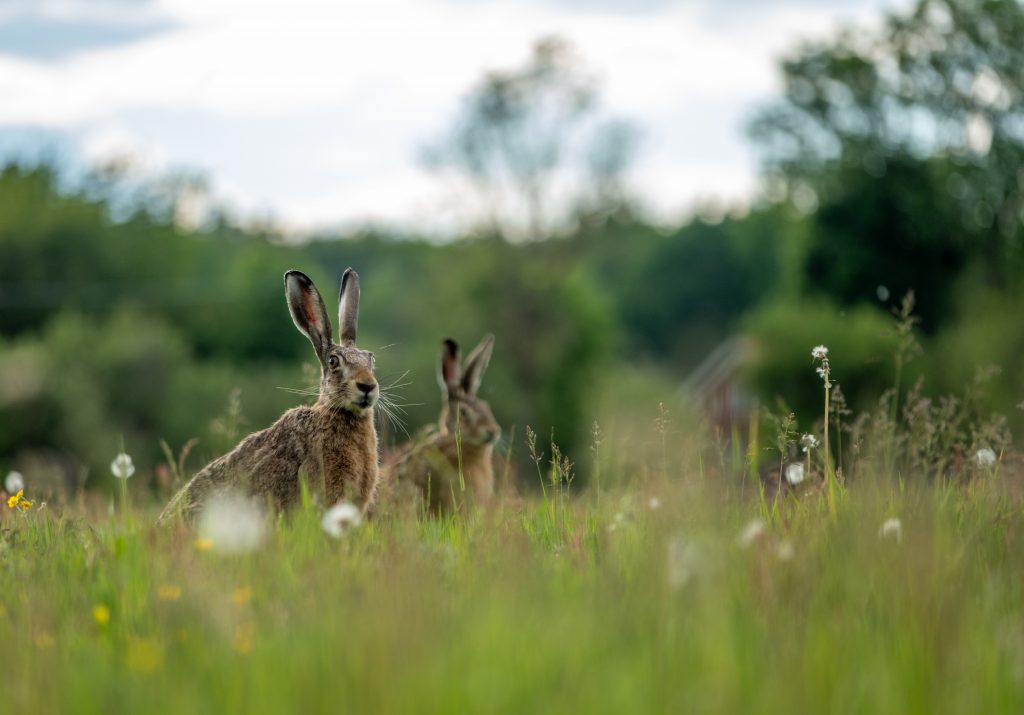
[[242, 642], [101, 613], [144, 655], [168, 592], [204, 544], [17, 501], [241, 596]]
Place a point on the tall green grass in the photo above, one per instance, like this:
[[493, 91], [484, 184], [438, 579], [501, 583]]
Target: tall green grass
[[640, 598]]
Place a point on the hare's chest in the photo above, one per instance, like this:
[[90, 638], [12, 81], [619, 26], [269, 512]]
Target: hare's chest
[[347, 453]]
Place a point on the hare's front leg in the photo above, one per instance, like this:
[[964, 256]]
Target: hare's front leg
[[351, 477]]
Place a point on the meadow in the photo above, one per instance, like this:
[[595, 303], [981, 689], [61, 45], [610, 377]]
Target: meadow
[[672, 583], [833, 550]]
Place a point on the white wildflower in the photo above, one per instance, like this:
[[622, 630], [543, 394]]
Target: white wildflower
[[819, 353], [341, 518], [654, 503], [785, 551], [618, 521], [683, 561], [750, 533], [122, 466], [14, 483], [985, 457], [891, 529], [794, 473], [809, 442], [233, 524]]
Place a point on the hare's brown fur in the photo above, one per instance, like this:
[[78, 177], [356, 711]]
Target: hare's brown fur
[[464, 438], [333, 442]]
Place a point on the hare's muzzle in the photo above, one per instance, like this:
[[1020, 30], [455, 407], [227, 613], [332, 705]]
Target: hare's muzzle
[[367, 393]]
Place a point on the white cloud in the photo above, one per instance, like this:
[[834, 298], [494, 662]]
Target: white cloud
[[111, 141], [348, 91]]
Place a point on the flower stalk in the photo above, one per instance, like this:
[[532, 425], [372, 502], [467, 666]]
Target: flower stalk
[[824, 370]]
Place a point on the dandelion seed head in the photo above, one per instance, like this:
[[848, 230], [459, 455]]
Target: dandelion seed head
[[14, 482], [232, 524], [891, 529], [750, 533], [809, 442], [985, 457], [795, 473], [122, 466], [654, 503], [785, 550], [341, 519], [684, 559]]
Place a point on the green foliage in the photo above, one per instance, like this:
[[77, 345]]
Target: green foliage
[[861, 343], [908, 137], [86, 385], [980, 341], [887, 235], [681, 294]]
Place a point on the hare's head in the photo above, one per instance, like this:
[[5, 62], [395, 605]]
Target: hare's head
[[463, 410], [346, 372]]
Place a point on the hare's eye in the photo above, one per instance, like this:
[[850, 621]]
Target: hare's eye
[[333, 362]]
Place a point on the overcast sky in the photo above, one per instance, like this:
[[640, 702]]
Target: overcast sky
[[314, 111]]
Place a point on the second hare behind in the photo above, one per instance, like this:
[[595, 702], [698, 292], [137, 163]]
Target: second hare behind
[[464, 438]]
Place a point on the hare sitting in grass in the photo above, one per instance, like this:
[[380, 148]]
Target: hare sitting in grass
[[463, 440], [333, 441]]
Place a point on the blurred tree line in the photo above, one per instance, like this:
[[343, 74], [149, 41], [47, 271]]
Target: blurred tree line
[[892, 163]]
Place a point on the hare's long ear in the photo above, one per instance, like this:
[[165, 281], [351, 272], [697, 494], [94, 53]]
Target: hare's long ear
[[308, 311], [448, 371], [476, 365], [348, 307]]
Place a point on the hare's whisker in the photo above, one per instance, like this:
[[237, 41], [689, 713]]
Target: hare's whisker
[[395, 382], [300, 390], [392, 417]]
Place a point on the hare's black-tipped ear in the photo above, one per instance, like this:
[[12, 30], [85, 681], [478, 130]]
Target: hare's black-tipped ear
[[448, 370], [348, 307], [476, 365], [308, 311]]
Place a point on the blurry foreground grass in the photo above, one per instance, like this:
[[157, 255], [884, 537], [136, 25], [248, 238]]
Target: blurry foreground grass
[[667, 596]]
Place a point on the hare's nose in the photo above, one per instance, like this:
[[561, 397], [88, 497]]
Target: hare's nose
[[366, 387]]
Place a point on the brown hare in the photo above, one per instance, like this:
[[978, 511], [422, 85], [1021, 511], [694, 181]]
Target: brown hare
[[463, 438], [333, 441]]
